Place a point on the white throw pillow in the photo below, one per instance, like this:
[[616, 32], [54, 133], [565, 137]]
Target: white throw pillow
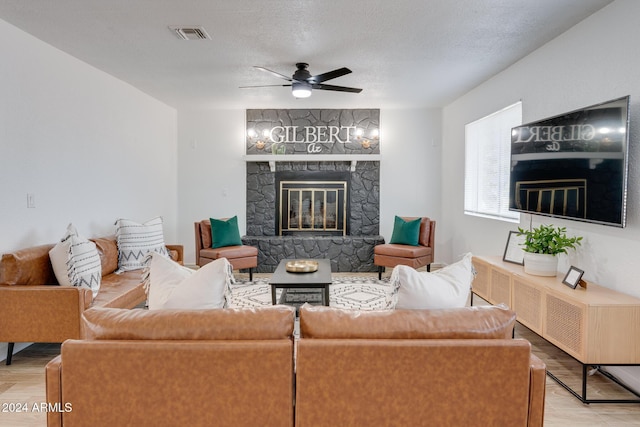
[[136, 240], [172, 286], [448, 287], [76, 261]]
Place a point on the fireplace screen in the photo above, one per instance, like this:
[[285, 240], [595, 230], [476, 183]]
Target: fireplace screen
[[313, 206]]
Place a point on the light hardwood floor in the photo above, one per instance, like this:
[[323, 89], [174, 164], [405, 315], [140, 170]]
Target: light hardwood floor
[[23, 382], [562, 409]]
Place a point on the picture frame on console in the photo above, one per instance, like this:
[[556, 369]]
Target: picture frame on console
[[573, 277], [513, 251]]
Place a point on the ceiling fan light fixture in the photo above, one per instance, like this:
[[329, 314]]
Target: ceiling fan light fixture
[[302, 82], [301, 89]]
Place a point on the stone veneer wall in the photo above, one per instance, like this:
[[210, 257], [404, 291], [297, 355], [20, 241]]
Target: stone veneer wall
[[348, 253]]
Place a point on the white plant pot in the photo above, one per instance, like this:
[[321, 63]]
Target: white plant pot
[[540, 264]]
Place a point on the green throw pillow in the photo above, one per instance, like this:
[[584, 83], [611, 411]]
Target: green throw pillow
[[406, 232], [225, 233]]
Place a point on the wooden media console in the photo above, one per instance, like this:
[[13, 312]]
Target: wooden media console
[[595, 325]]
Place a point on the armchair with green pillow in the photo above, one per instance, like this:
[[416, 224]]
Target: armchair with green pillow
[[412, 243], [220, 238]]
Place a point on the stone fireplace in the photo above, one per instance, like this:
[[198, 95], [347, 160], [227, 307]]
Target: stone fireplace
[[350, 249], [313, 185]]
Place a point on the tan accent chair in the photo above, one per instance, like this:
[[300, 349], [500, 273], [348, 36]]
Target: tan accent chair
[[391, 254], [240, 257]]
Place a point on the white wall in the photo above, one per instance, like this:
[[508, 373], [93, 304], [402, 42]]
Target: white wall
[[410, 167], [211, 170], [212, 173], [593, 62], [91, 148]]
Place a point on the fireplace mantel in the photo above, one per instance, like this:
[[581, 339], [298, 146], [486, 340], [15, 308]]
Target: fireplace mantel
[[272, 159]]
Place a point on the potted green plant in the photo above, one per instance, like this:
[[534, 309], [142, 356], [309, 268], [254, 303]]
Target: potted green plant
[[542, 244]]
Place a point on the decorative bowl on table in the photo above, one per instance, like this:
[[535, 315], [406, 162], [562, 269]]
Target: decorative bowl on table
[[302, 266]]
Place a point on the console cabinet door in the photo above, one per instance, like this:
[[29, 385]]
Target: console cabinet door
[[491, 283], [528, 303], [500, 290], [565, 323], [481, 282]]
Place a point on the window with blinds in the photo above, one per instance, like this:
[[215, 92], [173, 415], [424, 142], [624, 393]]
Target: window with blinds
[[487, 164]]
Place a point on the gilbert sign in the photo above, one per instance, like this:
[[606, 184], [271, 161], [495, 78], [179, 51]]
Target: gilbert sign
[[312, 131], [311, 135]]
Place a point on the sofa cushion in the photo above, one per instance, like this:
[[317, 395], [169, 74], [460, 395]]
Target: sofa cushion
[[136, 240], [425, 231], [229, 252], [205, 232], [402, 251], [264, 323], [76, 262], [108, 251], [405, 232], [494, 322], [123, 290], [171, 285], [30, 266], [447, 287], [225, 232]]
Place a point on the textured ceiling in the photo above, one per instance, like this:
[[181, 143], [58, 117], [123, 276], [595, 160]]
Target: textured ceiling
[[403, 53]]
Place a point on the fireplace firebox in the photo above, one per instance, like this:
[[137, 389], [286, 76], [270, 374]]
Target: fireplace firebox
[[312, 203]]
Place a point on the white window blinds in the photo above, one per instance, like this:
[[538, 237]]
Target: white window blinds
[[487, 164]]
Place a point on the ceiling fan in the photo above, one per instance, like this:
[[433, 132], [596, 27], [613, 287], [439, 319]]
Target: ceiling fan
[[302, 81]]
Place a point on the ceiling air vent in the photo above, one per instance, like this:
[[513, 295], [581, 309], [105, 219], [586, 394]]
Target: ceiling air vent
[[191, 33]]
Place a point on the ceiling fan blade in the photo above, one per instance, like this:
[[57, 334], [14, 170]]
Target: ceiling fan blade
[[329, 75], [249, 87], [337, 88], [281, 76]]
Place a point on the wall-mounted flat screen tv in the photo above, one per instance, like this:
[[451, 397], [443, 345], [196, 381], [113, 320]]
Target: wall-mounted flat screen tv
[[573, 165]]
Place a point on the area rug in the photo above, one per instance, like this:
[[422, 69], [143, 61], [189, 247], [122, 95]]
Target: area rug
[[356, 292]]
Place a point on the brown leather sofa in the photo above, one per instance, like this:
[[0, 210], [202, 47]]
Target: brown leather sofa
[[33, 308], [455, 367], [393, 254], [227, 367], [240, 256]]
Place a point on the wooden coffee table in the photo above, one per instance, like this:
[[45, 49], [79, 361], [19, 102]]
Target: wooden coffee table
[[318, 279]]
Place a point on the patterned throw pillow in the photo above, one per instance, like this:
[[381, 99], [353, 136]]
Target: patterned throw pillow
[[76, 261], [136, 240]]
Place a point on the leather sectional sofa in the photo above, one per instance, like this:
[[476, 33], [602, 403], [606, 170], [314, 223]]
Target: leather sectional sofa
[[456, 367], [453, 367], [226, 367], [33, 308]]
